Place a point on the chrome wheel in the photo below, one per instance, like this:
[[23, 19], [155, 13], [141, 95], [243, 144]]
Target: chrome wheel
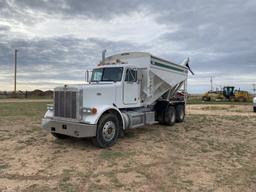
[[173, 118], [170, 116], [109, 130], [182, 114]]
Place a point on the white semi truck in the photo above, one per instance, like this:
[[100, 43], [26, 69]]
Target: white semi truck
[[125, 91]]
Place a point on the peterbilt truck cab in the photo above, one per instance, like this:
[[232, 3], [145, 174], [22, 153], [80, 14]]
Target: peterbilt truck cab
[[127, 90]]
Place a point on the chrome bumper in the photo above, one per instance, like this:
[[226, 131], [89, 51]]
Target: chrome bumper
[[69, 128]]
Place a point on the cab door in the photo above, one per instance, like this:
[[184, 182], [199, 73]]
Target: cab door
[[131, 88]]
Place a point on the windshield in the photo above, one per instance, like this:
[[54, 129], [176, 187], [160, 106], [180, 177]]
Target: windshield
[[107, 74]]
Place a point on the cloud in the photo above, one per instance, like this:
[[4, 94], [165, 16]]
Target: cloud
[[217, 35], [97, 9], [58, 59]]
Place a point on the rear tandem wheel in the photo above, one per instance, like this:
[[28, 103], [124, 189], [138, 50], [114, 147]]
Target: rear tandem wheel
[[180, 113], [170, 115]]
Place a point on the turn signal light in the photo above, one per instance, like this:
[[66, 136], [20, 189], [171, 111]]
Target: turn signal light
[[90, 110], [94, 110]]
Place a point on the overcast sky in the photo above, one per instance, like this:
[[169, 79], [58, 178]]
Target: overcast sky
[[59, 39]]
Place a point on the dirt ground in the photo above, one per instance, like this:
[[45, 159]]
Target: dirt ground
[[213, 150]]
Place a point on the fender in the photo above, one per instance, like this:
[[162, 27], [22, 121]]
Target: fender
[[94, 118]]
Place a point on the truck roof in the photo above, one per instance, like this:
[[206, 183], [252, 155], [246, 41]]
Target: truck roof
[[128, 54], [123, 57]]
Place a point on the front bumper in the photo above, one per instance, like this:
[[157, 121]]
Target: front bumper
[[73, 129]]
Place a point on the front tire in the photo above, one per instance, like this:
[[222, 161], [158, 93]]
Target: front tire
[[107, 131], [254, 109]]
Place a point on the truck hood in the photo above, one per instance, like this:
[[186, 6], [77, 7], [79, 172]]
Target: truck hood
[[95, 94], [102, 93], [86, 85]]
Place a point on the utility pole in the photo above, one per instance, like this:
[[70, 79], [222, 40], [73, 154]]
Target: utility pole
[[15, 69], [211, 83]]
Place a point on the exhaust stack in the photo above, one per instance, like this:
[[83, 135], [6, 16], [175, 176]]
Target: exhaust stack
[[103, 55]]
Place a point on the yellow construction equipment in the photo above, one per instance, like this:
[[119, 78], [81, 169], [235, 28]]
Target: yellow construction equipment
[[228, 93]]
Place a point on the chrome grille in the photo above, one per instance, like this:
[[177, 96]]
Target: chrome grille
[[65, 104]]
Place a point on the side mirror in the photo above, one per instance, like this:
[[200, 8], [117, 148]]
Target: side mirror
[[139, 75], [87, 76]]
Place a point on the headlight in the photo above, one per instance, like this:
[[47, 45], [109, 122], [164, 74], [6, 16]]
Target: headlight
[[50, 107], [89, 110]]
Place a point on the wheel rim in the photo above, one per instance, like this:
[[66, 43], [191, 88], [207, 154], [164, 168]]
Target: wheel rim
[[182, 114], [109, 130], [172, 117]]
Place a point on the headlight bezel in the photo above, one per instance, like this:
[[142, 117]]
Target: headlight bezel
[[50, 107], [89, 110]]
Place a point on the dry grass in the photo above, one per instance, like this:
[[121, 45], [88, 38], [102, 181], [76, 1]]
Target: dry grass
[[208, 152]]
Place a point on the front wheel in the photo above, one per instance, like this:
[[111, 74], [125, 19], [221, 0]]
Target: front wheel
[[107, 131], [254, 109]]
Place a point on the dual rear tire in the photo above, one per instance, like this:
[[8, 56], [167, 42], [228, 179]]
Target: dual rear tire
[[180, 113], [171, 114]]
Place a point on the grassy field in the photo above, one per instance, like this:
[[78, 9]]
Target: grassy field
[[213, 150]]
